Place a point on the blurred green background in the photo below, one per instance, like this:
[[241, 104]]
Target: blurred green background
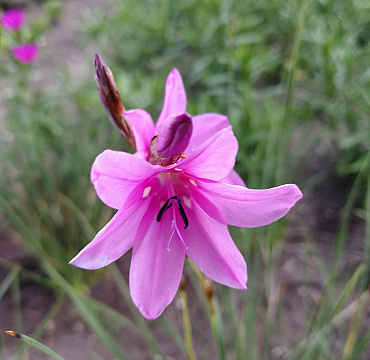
[[294, 79]]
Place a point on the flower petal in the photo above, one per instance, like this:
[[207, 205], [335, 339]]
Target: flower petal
[[25, 53], [143, 129], [13, 19], [174, 97], [250, 208], [205, 126], [234, 179], [213, 250], [174, 135], [214, 159], [114, 240], [155, 272], [115, 174]]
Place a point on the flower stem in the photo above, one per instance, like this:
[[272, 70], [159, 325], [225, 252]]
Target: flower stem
[[187, 323], [209, 293]]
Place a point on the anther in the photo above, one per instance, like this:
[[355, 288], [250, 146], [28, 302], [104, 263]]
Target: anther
[[166, 206]]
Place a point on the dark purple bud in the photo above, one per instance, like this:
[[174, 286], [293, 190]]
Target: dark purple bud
[[171, 140], [111, 99]]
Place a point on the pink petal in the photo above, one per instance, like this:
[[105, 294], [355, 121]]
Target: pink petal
[[234, 179], [143, 129], [116, 174], [174, 97], [114, 240], [250, 208], [213, 250], [214, 159], [13, 19], [25, 53], [205, 126], [155, 272], [174, 135]]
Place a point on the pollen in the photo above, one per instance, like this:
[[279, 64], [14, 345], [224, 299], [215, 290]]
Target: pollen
[[193, 182], [146, 191]]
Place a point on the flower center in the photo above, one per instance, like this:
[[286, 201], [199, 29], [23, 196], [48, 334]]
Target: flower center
[[171, 139], [167, 205], [174, 227]]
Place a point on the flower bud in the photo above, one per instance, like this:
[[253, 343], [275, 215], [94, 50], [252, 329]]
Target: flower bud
[[208, 288], [182, 286], [111, 99], [171, 140]]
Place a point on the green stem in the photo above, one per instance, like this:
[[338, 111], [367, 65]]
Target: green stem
[[187, 327], [123, 288], [209, 295], [215, 328]]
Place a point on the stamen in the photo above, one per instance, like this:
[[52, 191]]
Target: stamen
[[173, 231], [163, 209], [181, 210], [174, 228], [182, 213]]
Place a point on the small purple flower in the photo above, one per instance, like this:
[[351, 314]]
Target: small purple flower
[[25, 53], [13, 19], [175, 197]]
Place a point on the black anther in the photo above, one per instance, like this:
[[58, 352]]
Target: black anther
[[166, 206]]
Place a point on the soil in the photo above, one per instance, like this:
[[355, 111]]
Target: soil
[[319, 211]]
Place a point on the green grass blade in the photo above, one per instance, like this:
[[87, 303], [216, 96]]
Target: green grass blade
[[348, 290], [173, 333], [17, 306], [95, 356], [36, 344], [53, 312], [9, 280], [286, 126], [29, 275], [125, 292]]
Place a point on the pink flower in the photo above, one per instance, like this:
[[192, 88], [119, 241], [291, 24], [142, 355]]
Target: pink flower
[[25, 53], [167, 212], [13, 19]]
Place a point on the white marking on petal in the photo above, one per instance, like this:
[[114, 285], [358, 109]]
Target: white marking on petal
[[193, 182], [187, 202], [177, 169], [147, 191]]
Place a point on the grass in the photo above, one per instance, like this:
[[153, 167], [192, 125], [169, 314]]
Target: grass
[[279, 70]]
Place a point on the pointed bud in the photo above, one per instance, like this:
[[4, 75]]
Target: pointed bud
[[171, 140], [15, 334], [208, 288], [182, 286], [111, 99]]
